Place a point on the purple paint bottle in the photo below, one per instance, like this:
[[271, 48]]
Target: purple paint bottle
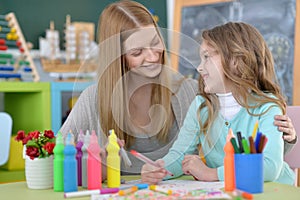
[[79, 156]]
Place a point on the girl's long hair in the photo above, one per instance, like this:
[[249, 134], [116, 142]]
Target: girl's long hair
[[253, 76]]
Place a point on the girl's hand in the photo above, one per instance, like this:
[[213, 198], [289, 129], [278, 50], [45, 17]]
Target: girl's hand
[[153, 175], [193, 165], [285, 125]]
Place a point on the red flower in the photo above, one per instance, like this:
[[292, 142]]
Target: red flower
[[49, 147], [38, 144], [26, 139], [20, 136], [32, 152], [49, 134], [34, 134]]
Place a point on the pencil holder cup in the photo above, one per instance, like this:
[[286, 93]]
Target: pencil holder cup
[[249, 172]]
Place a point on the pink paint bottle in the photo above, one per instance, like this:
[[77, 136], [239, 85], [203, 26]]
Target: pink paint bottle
[[94, 176]]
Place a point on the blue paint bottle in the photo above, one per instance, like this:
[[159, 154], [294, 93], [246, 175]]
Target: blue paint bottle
[[70, 165]]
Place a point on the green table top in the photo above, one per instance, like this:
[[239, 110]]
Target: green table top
[[19, 190]]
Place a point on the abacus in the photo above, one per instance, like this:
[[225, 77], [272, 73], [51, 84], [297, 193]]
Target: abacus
[[19, 67]]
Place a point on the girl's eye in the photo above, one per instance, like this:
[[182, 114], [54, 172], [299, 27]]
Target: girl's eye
[[204, 57]]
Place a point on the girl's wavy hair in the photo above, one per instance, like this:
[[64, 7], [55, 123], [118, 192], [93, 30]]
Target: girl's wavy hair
[[253, 75]]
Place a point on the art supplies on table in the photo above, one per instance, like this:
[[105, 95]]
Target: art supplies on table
[[255, 129], [248, 161], [229, 177], [84, 159], [239, 193], [122, 191], [58, 164], [70, 165], [249, 172], [124, 155], [113, 161], [78, 146], [173, 189], [128, 191], [90, 192], [252, 146], [157, 188], [94, 172]]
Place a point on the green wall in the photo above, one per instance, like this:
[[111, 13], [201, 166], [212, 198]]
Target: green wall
[[34, 16]]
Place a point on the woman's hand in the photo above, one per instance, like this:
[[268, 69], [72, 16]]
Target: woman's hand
[[153, 175], [285, 125], [193, 165], [121, 143]]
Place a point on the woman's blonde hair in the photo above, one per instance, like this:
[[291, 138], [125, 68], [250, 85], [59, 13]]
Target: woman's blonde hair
[[117, 21], [253, 76]]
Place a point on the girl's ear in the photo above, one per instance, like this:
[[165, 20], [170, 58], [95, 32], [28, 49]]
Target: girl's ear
[[234, 66]]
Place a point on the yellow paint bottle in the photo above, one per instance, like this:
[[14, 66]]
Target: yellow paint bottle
[[113, 161]]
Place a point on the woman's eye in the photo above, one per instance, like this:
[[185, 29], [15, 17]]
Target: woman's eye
[[155, 42], [136, 52]]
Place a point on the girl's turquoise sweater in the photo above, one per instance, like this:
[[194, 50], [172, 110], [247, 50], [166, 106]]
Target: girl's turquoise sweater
[[275, 169]]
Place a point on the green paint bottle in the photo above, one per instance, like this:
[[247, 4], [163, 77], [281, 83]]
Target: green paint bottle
[[58, 164]]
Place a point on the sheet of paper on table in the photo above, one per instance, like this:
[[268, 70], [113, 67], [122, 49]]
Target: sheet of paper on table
[[183, 189]]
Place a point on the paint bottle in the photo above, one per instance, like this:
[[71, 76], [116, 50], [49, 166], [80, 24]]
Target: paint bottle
[[79, 145], [84, 148], [113, 161], [94, 171], [58, 164], [70, 165], [229, 175]]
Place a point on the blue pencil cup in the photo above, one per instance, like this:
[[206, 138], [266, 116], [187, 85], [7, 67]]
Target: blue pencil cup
[[249, 172]]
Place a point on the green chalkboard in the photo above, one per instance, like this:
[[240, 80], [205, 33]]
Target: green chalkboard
[[34, 16]]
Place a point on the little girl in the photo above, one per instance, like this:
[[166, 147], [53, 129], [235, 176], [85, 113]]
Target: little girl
[[237, 87]]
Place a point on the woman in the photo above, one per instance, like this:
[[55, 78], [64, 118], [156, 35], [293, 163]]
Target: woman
[[136, 95], [139, 97]]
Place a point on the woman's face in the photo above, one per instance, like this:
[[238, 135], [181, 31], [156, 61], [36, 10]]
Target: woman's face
[[211, 70], [143, 52]]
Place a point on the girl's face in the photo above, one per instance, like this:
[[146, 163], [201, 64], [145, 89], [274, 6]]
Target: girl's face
[[211, 70], [143, 52]]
